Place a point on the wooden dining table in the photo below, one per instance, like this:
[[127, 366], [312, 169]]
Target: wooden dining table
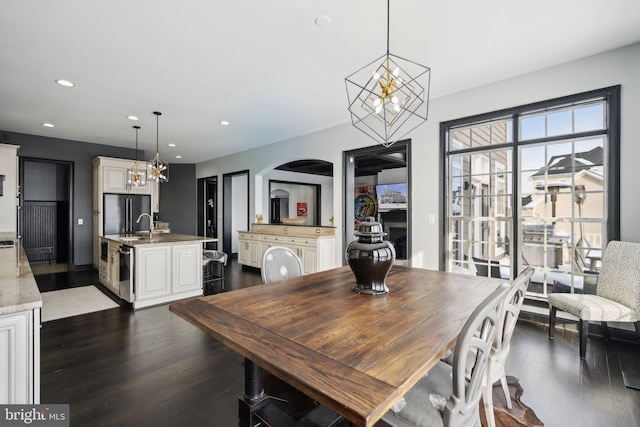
[[355, 354]]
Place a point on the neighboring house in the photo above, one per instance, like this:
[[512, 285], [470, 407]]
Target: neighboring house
[[556, 202]]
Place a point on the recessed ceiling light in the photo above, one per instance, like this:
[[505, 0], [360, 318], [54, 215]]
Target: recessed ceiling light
[[178, 157], [132, 118], [322, 21], [224, 123], [65, 83], [48, 125], [172, 145]]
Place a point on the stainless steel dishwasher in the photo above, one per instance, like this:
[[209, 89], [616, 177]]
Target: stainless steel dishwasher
[[126, 273]]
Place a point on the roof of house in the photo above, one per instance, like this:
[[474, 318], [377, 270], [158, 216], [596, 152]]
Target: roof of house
[[563, 164]]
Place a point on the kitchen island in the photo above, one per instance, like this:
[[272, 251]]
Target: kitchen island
[[20, 305], [166, 267]]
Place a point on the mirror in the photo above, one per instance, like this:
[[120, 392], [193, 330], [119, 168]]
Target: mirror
[[299, 192]]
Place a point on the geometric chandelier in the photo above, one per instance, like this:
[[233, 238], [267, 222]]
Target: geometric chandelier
[[157, 168], [389, 97], [136, 176]]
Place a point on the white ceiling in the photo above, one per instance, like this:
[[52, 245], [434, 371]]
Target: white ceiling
[[263, 65]]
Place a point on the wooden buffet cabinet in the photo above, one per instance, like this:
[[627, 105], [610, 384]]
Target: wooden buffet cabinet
[[316, 246]]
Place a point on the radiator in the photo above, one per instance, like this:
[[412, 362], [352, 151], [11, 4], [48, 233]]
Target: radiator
[[39, 228]]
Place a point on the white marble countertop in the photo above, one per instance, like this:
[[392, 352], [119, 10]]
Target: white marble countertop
[[157, 239], [18, 288]]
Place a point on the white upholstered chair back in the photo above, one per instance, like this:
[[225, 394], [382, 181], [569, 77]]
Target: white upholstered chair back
[[619, 278], [280, 263]]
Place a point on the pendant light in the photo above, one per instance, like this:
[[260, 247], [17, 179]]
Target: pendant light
[[158, 169], [388, 97], [136, 176]]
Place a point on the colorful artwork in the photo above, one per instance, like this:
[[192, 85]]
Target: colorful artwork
[[365, 204], [302, 208]]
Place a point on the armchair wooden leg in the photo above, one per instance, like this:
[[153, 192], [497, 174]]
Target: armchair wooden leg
[[584, 332], [552, 320]]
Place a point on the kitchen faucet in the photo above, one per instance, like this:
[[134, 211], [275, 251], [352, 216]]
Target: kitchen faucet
[[150, 223]]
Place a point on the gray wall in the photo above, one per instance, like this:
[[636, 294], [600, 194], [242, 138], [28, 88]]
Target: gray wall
[[82, 155], [178, 199], [45, 181]]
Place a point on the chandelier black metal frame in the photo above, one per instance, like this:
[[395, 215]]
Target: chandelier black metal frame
[[158, 169], [389, 97]]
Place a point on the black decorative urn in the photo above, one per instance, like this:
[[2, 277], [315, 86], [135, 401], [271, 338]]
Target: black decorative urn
[[370, 258]]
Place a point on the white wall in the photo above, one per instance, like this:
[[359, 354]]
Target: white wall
[[8, 201], [619, 66]]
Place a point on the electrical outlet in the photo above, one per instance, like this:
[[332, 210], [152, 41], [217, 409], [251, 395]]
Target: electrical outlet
[[80, 221], [432, 219]]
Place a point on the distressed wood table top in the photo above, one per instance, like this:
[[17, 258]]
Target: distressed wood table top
[[356, 354]]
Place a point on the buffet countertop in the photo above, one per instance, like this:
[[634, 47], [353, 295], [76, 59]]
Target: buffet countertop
[[157, 239], [291, 230], [18, 288]]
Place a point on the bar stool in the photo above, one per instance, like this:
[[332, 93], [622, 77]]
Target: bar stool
[[211, 274]]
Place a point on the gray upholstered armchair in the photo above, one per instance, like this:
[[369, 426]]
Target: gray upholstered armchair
[[617, 296]]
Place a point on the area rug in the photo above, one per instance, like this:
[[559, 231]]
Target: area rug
[[73, 302], [520, 415]]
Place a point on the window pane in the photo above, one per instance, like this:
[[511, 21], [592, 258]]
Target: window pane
[[559, 123], [532, 127], [480, 136], [589, 118], [460, 139]]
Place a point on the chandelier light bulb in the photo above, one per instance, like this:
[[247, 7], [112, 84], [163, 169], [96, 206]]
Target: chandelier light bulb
[[376, 76], [396, 72], [377, 102], [378, 109], [394, 100]]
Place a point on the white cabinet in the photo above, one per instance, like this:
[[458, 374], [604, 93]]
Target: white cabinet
[[19, 357], [166, 272], [187, 268], [152, 272], [317, 253], [109, 270], [114, 179]]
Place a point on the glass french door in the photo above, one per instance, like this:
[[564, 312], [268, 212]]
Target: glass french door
[[533, 187]]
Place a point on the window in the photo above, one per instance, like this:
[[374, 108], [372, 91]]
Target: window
[[534, 185]]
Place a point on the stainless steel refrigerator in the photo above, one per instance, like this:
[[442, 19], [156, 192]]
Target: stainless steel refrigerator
[[120, 212]]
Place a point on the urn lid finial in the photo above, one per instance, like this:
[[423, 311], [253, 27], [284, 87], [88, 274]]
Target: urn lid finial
[[370, 227]]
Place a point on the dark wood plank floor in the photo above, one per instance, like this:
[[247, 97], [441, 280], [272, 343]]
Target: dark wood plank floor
[[151, 368]]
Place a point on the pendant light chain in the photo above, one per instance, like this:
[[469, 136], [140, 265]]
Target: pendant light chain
[[157, 131], [136, 128], [388, 19]]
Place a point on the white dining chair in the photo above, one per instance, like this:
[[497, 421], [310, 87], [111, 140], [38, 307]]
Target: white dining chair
[[446, 396], [502, 342], [280, 263], [617, 296]]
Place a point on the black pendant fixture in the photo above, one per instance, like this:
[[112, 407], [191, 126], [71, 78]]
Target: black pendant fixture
[[389, 97]]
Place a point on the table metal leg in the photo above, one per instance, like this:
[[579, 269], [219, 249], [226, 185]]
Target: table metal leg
[[253, 390], [254, 396]]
